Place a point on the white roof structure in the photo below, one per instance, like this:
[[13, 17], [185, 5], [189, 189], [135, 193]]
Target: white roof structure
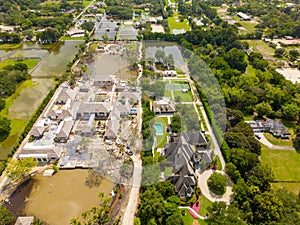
[[25, 220]]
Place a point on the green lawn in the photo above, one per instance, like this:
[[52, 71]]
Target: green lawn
[[178, 25], [204, 204], [261, 47], [278, 141], [86, 3], [161, 139], [10, 46], [29, 62], [168, 171], [219, 165], [188, 219], [249, 25], [184, 97], [285, 165], [64, 38]]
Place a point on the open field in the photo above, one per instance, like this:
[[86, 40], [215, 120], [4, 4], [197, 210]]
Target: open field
[[63, 38], [29, 62], [286, 167], [278, 141], [174, 23], [249, 25], [261, 47]]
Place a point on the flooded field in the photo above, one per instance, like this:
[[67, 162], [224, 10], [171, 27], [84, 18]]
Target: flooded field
[[54, 59], [56, 200], [110, 64]]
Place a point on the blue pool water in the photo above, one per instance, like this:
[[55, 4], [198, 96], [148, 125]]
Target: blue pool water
[[159, 129]]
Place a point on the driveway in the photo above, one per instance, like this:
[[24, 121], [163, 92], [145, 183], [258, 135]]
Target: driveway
[[265, 141], [202, 183]]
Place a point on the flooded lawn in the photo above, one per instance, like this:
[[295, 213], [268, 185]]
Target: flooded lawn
[[56, 200]]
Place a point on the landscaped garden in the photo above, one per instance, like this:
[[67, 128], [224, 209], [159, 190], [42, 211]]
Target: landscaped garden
[[217, 183]]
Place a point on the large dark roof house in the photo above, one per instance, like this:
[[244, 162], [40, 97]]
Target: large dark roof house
[[187, 153], [274, 127]]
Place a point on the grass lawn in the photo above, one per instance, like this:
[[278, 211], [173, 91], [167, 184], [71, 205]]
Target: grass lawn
[[184, 97], [94, 46], [219, 165], [188, 219], [168, 171], [29, 62], [161, 139], [249, 25], [204, 204], [278, 141], [10, 46], [86, 3], [261, 47], [178, 25], [64, 38], [285, 165]]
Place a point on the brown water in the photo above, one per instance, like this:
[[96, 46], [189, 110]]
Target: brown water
[[56, 200]]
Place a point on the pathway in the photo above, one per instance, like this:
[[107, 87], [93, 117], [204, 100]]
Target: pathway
[[202, 183], [197, 214], [266, 142]]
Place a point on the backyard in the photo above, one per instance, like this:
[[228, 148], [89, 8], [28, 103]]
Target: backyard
[[161, 139], [285, 165], [189, 220], [261, 47], [278, 141]]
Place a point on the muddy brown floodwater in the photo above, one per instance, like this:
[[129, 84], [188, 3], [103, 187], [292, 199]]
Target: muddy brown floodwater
[[57, 199]]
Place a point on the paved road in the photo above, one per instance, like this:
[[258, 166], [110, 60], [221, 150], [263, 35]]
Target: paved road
[[202, 183], [132, 205], [265, 141]]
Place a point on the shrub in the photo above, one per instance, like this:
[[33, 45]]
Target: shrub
[[217, 183]]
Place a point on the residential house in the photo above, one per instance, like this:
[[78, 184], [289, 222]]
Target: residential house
[[243, 16], [88, 129], [186, 153], [42, 153], [85, 109], [25, 220], [274, 127], [37, 132], [104, 80], [169, 73], [112, 129], [65, 95], [64, 130], [164, 106]]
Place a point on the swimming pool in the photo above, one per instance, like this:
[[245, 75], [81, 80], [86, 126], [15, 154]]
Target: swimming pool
[[159, 129]]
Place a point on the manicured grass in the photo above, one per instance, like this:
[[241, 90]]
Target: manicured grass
[[29, 62], [178, 25], [278, 141], [184, 97], [64, 38], [285, 165], [168, 171], [188, 219], [10, 46], [291, 187], [161, 139], [204, 204], [93, 46], [219, 165], [261, 47]]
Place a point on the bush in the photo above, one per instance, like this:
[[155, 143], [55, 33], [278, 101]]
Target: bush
[[217, 183]]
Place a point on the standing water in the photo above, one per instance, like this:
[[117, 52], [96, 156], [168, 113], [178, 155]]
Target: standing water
[[57, 199]]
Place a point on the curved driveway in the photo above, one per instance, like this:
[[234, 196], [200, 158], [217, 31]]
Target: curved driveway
[[202, 183], [265, 141]]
